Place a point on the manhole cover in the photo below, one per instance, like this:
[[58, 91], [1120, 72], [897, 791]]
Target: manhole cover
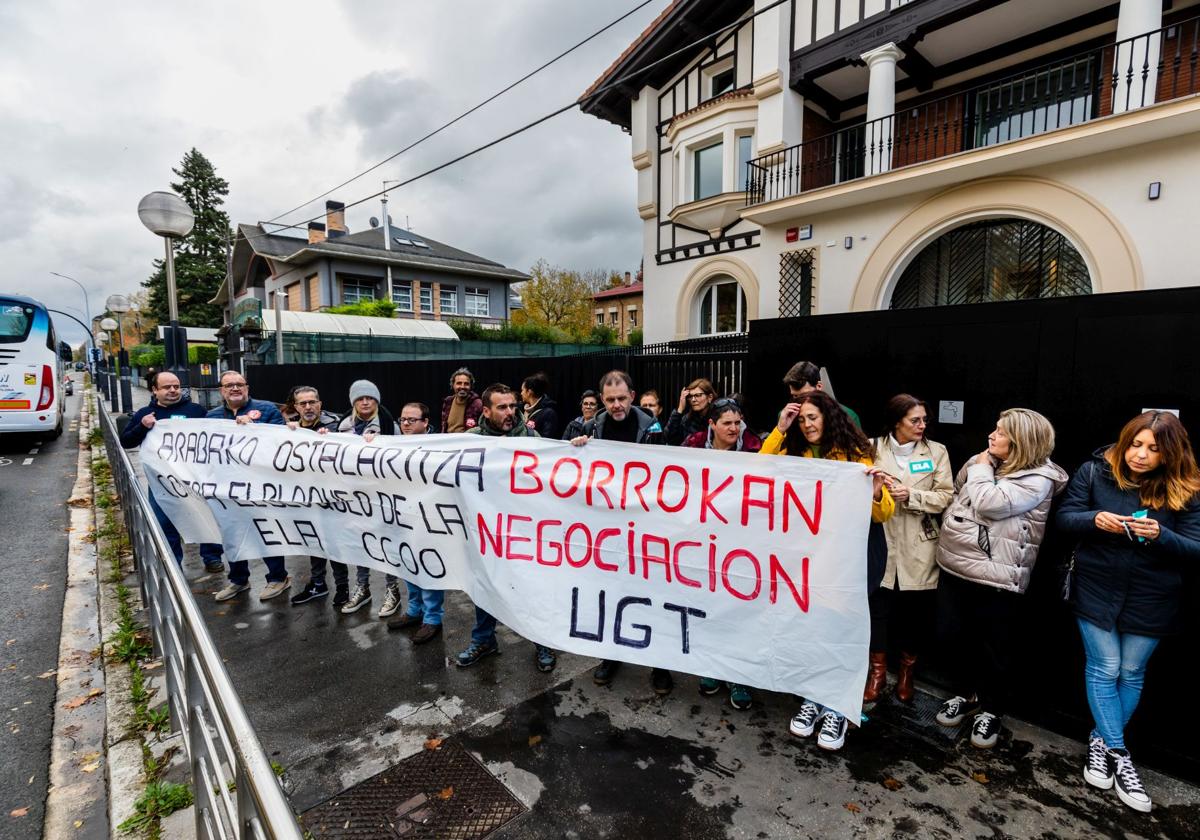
[[442, 794]]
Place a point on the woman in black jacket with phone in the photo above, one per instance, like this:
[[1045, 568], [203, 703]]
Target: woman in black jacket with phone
[[1136, 511]]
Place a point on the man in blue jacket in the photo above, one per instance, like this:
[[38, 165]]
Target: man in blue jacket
[[236, 405], [168, 403]]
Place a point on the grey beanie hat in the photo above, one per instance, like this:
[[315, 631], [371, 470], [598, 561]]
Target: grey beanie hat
[[363, 388]]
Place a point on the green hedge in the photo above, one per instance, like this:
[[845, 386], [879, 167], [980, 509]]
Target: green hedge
[[155, 355], [371, 308]]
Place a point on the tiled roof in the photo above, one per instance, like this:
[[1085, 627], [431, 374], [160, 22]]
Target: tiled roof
[[619, 291], [646, 33]]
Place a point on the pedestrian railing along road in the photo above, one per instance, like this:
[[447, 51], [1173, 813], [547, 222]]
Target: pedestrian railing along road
[[237, 793]]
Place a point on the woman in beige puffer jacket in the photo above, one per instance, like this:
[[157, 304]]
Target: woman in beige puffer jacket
[[989, 542]]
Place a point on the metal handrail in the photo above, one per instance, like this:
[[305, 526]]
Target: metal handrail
[[204, 705]]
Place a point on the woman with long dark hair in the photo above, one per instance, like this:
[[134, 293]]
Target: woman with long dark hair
[[816, 427], [921, 481], [1135, 508]]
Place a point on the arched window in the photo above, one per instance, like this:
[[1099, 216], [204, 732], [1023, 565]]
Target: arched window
[[993, 260], [722, 307]]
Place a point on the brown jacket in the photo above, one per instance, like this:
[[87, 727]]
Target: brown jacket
[[913, 531]]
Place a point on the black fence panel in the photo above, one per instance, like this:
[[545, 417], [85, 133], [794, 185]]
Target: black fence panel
[[1089, 364]]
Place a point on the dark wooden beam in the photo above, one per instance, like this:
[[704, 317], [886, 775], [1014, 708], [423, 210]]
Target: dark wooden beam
[[830, 104], [917, 67]]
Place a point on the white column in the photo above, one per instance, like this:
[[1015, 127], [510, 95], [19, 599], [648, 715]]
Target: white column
[[1135, 65], [881, 108], [644, 135], [780, 109]]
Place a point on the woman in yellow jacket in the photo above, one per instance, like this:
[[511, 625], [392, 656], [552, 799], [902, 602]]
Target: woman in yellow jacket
[[817, 427]]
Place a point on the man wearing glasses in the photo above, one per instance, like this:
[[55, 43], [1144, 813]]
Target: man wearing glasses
[[236, 405], [692, 414], [169, 403]]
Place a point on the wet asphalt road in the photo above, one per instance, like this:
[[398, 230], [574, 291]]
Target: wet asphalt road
[[34, 487]]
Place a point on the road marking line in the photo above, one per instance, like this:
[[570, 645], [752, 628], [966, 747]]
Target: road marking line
[[27, 462], [33, 451]]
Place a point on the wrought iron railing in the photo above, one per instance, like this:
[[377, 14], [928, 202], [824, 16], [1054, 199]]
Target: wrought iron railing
[[1123, 76], [237, 794]]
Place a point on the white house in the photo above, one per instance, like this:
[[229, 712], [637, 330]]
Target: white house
[[827, 156]]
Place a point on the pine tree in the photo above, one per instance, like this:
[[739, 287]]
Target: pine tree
[[200, 256]]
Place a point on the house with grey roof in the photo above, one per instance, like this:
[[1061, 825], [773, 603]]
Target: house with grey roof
[[426, 279]]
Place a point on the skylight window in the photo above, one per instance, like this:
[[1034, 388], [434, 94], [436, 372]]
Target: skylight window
[[419, 243], [401, 241]]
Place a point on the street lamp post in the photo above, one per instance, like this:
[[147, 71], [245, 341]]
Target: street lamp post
[[87, 306], [167, 215], [119, 305], [110, 325], [100, 340]]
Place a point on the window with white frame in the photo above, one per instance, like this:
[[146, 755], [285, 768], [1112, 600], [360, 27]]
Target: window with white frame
[[632, 317], [475, 302], [600, 319], [402, 295], [722, 307], [706, 175], [356, 291], [449, 300], [426, 297]]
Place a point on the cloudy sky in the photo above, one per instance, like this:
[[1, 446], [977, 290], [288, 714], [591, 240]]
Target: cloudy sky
[[99, 100]]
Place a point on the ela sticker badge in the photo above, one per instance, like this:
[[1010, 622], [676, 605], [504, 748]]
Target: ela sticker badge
[[925, 465], [31, 379]]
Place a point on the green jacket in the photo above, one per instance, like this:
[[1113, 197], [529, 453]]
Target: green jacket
[[519, 429]]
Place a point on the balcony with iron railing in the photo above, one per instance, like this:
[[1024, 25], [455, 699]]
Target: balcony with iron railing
[[1123, 76]]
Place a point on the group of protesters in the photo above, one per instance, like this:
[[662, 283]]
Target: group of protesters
[[948, 555]]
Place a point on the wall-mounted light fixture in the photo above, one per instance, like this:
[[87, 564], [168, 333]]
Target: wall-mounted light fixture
[[1155, 190]]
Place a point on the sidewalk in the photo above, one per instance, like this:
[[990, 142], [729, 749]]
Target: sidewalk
[[337, 700]]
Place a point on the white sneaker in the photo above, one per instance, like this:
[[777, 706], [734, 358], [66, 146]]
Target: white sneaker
[[391, 601], [833, 731], [361, 595], [1129, 786], [1098, 771], [955, 710], [274, 588], [985, 731], [805, 721], [231, 590]]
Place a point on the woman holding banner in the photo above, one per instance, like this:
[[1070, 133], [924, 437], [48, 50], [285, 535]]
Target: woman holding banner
[[817, 427], [920, 480], [989, 542], [1135, 509]]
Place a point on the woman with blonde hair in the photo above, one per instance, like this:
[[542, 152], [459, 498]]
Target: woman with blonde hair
[[989, 542], [815, 426], [1135, 509]]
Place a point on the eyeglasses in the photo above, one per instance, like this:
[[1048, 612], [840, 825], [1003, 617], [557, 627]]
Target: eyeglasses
[[408, 421], [234, 385], [697, 395]]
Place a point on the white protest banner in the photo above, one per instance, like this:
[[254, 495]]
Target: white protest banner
[[746, 568]]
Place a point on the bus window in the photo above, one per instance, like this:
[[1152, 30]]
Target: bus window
[[15, 322]]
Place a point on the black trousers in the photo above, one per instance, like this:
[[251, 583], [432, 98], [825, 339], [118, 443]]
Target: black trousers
[[904, 616], [976, 626]]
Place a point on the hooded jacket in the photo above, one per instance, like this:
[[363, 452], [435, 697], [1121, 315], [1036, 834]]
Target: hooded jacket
[[649, 429], [473, 410], [747, 441], [993, 528], [486, 429], [1133, 586], [326, 420], [543, 414]]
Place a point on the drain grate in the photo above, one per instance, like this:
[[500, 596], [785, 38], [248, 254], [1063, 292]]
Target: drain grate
[[441, 794], [918, 718]]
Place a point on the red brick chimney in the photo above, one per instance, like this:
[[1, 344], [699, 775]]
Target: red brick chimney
[[335, 219], [316, 233], [628, 279]]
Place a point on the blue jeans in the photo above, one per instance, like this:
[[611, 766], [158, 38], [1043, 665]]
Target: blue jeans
[[429, 605], [239, 570], [1114, 675], [209, 552], [484, 631]]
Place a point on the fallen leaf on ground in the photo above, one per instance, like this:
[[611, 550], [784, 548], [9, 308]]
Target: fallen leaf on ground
[[45, 675], [853, 808], [83, 698], [433, 743], [92, 756], [18, 812], [446, 792], [10, 642], [79, 823], [534, 740], [90, 768], [980, 777], [41, 587], [892, 784]]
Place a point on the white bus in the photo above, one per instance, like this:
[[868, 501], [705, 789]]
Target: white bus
[[31, 369]]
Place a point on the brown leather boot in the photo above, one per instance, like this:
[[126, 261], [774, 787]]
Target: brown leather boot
[[904, 679], [876, 677]]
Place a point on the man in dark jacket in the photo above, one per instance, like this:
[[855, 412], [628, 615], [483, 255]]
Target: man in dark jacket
[[499, 420], [168, 403], [236, 405], [461, 410], [310, 412], [540, 410], [621, 420]]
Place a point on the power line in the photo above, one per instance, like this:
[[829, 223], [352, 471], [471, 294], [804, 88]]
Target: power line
[[624, 80], [469, 111]]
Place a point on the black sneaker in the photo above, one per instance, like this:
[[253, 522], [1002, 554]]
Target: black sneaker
[[955, 710], [660, 679], [312, 592], [1098, 771], [985, 731], [605, 671], [1129, 786], [341, 595], [474, 653], [545, 659]]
